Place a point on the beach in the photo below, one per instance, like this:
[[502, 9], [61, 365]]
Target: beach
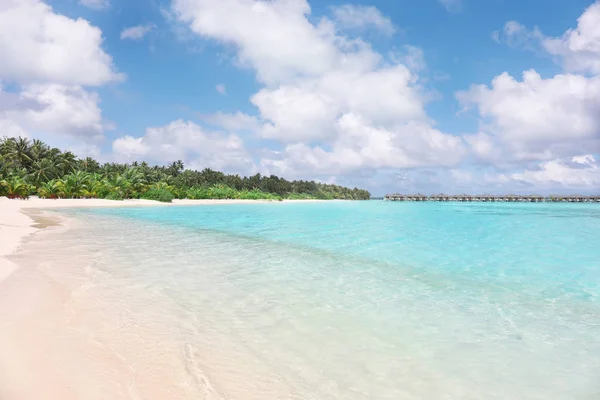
[[35, 309], [16, 223], [246, 300]]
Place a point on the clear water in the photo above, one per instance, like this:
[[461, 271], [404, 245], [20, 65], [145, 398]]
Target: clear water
[[362, 300]]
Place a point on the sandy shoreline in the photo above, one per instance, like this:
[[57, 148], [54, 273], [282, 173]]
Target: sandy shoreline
[[16, 225], [35, 305]]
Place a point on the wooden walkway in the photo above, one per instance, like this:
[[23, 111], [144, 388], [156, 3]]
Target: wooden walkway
[[493, 198]]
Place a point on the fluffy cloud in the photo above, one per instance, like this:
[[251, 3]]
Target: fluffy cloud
[[535, 119], [357, 17], [263, 31], [137, 32], [539, 119], [11, 129], [309, 110], [53, 109], [578, 49], [130, 148], [40, 46], [578, 172], [334, 103], [413, 57], [542, 126], [340, 109], [360, 146], [181, 140], [49, 59]]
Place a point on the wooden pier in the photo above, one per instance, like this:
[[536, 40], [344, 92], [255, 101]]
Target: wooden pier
[[493, 198]]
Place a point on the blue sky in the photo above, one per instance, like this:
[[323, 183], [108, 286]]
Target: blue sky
[[388, 95]]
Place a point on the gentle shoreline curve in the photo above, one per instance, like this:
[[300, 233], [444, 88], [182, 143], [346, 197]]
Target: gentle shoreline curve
[[15, 225], [34, 303]]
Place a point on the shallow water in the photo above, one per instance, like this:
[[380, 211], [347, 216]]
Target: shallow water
[[341, 300]]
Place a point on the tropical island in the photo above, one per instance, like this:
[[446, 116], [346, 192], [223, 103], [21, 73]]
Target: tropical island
[[30, 168]]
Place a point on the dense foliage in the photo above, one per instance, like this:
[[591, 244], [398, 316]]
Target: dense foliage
[[33, 168]]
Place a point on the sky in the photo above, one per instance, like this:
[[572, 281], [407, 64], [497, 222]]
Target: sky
[[430, 96]]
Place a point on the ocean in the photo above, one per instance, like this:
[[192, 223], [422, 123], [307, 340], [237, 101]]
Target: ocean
[[338, 300]]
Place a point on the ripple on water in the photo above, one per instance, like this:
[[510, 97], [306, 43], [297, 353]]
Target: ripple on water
[[344, 300]]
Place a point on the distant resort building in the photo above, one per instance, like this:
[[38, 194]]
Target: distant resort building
[[510, 198]]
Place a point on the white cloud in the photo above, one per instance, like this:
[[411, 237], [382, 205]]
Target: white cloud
[[309, 109], [411, 56], [296, 114], [461, 177], [586, 159], [55, 109], [487, 147], [536, 118], [341, 109], [130, 148], [137, 32], [357, 17], [221, 89], [361, 146], [47, 60], [186, 141], [263, 31], [39, 46], [558, 176], [579, 172], [11, 129], [237, 121], [95, 4], [453, 6], [541, 132], [578, 49], [335, 104]]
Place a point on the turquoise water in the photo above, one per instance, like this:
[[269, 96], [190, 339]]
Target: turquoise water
[[366, 300]]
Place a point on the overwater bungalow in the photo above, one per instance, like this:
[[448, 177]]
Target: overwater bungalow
[[510, 198], [536, 198], [486, 198]]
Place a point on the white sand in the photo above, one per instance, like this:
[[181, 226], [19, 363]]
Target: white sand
[[14, 225], [33, 307]]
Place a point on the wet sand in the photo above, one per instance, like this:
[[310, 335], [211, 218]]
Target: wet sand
[[49, 350]]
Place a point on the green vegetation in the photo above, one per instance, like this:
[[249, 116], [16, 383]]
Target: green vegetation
[[162, 195], [33, 168]]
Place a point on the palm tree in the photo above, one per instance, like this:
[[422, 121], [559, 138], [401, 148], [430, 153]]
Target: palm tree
[[15, 187], [54, 173], [19, 151], [50, 190], [73, 185], [88, 164], [53, 154], [119, 185], [43, 170], [4, 166], [39, 149], [175, 168], [188, 178], [136, 179], [67, 162]]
